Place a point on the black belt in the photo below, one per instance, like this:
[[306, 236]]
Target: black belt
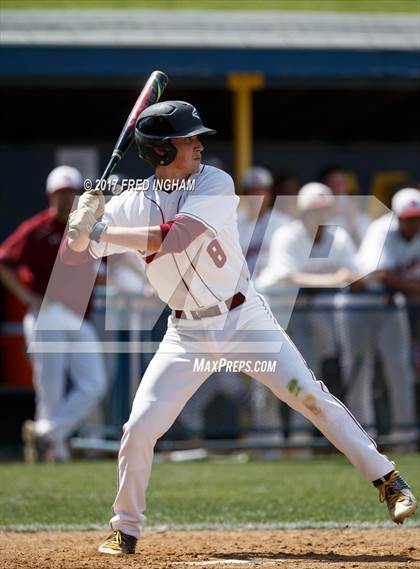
[[233, 302]]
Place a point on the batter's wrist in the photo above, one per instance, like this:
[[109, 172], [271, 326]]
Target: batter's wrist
[[98, 230]]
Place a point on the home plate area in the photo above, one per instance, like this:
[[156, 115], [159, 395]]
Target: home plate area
[[230, 562], [351, 548]]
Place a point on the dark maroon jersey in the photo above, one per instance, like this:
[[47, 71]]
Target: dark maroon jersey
[[33, 249]]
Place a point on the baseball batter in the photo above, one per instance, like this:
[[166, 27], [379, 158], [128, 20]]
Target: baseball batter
[[190, 242]]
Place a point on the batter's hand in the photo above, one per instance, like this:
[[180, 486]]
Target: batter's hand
[[94, 202], [83, 220]]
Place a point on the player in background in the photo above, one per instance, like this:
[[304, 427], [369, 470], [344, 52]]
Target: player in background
[[348, 214], [309, 255], [190, 242], [394, 239], [27, 258], [286, 187], [257, 222]]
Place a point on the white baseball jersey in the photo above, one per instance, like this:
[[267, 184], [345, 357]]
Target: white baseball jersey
[[293, 250], [255, 236], [212, 267], [351, 218], [384, 248]]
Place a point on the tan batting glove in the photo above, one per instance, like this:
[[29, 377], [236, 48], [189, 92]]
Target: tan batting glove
[[83, 220], [94, 202]]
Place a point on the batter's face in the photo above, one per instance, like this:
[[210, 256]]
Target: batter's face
[[188, 156]]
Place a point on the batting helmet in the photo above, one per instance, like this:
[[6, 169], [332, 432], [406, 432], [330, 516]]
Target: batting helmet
[[159, 123]]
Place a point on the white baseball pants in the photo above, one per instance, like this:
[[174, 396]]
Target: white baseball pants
[[170, 380], [57, 413], [387, 331]]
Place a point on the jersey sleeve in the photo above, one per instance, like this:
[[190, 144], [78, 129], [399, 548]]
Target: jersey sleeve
[[375, 252], [213, 201], [14, 251], [178, 234]]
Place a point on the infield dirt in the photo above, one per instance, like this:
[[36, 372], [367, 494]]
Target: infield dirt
[[391, 548]]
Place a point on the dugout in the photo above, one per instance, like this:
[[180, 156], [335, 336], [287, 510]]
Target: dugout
[[288, 91], [291, 92]]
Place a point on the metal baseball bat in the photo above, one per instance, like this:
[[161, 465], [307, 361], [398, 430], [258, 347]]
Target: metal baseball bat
[[149, 95]]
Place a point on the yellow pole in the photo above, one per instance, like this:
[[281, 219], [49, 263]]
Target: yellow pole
[[242, 85]]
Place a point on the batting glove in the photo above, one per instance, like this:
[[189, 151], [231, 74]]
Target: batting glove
[[83, 220], [94, 202]]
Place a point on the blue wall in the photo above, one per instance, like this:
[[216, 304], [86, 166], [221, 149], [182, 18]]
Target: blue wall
[[95, 62]]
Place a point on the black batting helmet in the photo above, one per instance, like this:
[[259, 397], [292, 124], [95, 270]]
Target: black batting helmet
[[159, 123]]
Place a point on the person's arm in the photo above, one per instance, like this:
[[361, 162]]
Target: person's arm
[[174, 236], [340, 278], [15, 252], [10, 279], [393, 279], [137, 238]]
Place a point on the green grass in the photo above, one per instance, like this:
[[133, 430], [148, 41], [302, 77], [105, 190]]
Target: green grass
[[293, 5], [206, 493]]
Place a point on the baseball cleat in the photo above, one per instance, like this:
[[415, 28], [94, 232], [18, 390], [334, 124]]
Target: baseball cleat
[[32, 450], [397, 494], [36, 448], [118, 543]]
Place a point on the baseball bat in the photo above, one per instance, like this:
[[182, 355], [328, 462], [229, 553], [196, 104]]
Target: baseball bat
[[149, 95]]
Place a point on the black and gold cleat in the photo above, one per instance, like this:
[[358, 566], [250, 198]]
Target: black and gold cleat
[[397, 494], [118, 543]]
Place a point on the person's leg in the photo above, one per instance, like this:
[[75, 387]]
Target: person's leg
[[168, 383], [265, 411], [356, 332], [394, 344], [293, 382], [323, 332], [254, 330], [49, 375], [192, 415], [87, 372], [301, 331]]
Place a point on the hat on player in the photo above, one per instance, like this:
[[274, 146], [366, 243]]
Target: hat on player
[[314, 196], [257, 177], [406, 203], [62, 178], [159, 123], [162, 121]]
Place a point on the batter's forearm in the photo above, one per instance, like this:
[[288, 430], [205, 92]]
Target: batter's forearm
[[137, 238], [80, 244]]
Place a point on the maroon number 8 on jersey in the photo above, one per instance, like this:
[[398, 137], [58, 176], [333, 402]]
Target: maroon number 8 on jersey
[[214, 249]]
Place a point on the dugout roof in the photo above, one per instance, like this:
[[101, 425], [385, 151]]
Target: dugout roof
[[207, 45]]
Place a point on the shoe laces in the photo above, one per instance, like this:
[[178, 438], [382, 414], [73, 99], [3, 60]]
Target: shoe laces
[[391, 490], [114, 540]]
